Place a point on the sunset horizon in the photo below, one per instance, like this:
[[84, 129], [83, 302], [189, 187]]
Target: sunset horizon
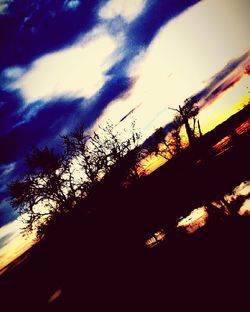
[[124, 137]]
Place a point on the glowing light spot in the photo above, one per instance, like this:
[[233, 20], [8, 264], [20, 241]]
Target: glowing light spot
[[241, 190], [245, 208], [243, 128], [195, 220], [222, 145], [156, 239]]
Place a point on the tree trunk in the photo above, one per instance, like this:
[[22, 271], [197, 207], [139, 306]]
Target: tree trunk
[[199, 127], [189, 131]]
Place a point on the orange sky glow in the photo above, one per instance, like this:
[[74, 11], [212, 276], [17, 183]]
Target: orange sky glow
[[17, 245], [225, 105]]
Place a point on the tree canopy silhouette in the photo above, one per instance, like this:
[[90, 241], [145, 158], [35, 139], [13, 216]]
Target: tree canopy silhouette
[[55, 182], [168, 144]]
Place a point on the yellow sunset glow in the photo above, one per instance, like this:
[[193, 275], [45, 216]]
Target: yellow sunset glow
[[14, 249], [227, 104], [152, 162], [16, 246]]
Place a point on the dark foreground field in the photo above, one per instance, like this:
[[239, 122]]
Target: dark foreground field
[[99, 262], [206, 271]]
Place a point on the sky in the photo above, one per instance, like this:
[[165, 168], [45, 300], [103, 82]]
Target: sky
[[66, 62]]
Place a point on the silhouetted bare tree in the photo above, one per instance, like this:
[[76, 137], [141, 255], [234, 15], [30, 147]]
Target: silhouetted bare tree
[[54, 183], [188, 111], [166, 144]]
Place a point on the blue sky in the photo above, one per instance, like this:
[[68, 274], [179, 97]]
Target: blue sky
[[66, 62]]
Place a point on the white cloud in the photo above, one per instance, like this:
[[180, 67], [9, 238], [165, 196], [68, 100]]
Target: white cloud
[[75, 71], [128, 9], [185, 54]]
